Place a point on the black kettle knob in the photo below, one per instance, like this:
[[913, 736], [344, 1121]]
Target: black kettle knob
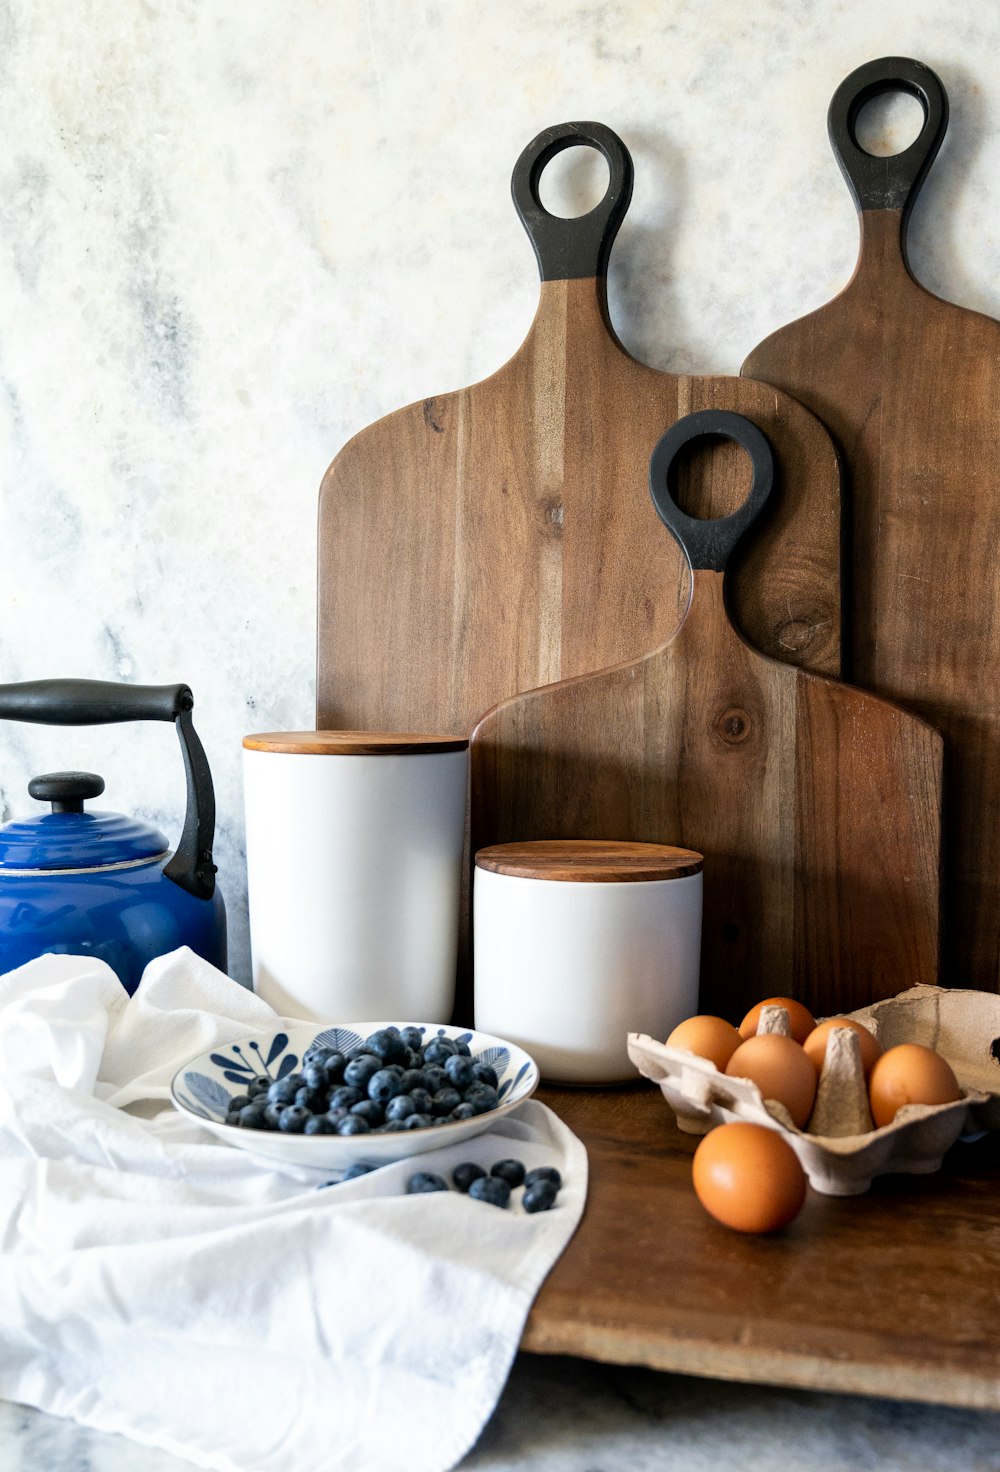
[[66, 791]]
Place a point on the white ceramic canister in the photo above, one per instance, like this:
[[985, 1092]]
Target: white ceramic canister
[[578, 943], [354, 866]]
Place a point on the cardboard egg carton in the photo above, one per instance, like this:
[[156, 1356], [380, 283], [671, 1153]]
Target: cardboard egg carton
[[839, 1151]]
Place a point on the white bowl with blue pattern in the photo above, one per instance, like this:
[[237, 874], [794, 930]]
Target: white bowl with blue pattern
[[203, 1088]]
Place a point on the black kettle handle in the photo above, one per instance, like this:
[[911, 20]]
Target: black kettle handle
[[708, 544], [567, 250], [100, 703], [891, 183]]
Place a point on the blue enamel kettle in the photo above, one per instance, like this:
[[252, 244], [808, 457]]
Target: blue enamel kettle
[[82, 882]]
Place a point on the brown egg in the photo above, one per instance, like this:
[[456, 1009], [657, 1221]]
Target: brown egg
[[748, 1177], [910, 1074], [815, 1043], [780, 1069], [801, 1019], [710, 1037]]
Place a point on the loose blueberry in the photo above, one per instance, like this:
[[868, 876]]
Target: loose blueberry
[[281, 1092], [463, 1175], [401, 1107], [482, 1098], [371, 1112], [435, 1078], [273, 1113], [318, 1124], [293, 1119], [462, 1048], [418, 1122], [511, 1171], [384, 1085], [540, 1196], [484, 1074], [387, 1045], [423, 1181], [334, 1063], [312, 1099], [345, 1097], [438, 1049], [413, 1038], [353, 1124], [463, 1111], [445, 1100], [316, 1076], [459, 1071], [233, 1116], [360, 1070], [252, 1116], [414, 1058], [413, 1078], [258, 1086], [423, 1100], [543, 1173], [492, 1189], [358, 1169], [240, 1101]]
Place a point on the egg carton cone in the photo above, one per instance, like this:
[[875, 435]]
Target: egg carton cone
[[844, 1159]]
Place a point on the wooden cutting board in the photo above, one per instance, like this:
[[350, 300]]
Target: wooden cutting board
[[817, 806], [910, 387], [498, 538]]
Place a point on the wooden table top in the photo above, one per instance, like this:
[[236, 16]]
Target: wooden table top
[[895, 1293]]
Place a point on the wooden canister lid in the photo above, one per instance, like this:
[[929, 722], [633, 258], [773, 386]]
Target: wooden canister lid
[[589, 861], [353, 743]]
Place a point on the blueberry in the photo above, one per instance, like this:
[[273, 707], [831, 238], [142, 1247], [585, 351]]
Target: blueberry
[[414, 1058], [511, 1171], [438, 1049], [463, 1175], [384, 1085], [491, 1189], [413, 1038], [462, 1048], [240, 1101], [463, 1111], [359, 1169], [353, 1124], [258, 1086], [418, 1122], [272, 1115], [423, 1100], [336, 1115], [360, 1069], [312, 1099], [540, 1196], [281, 1092], [233, 1116], [543, 1173], [445, 1100], [294, 1081], [413, 1078], [318, 1124], [482, 1097], [293, 1119], [424, 1181], [369, 1111], [484, 1074], [387, 1045], [252, 1116], [334, 1063], [316, 1076], [459, 1071], [344, 1098], [435, 1078], [401, 1107]]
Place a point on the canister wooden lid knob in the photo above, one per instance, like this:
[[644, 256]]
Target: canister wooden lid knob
[[589, 861]]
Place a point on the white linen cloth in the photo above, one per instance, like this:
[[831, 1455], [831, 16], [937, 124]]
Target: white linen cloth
[[159, 1283]]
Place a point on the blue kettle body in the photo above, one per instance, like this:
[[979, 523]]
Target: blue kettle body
[[89, 883]]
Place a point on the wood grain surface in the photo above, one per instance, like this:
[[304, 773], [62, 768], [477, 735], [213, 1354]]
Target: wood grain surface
[[589, 861], [491, 540], [352, 743], [895, 1293], [817, 806], [909, 385]]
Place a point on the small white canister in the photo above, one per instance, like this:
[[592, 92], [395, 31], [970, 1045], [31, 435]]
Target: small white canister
[[580, 942], [354, 869]]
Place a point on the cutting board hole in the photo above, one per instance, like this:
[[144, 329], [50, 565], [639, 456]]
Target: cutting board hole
[[574, 182], [710, 477], [888, 124]]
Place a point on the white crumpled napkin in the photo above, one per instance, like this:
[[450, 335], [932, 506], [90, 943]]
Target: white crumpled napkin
[[161, 1284]]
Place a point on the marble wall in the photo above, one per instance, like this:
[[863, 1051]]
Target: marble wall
[[232, 234]]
